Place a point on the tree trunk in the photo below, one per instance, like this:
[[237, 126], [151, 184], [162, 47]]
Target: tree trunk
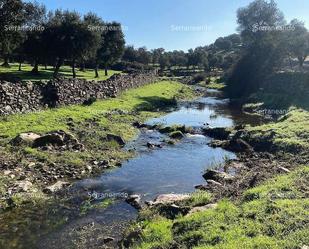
[[35, 69], [105, 70], [6, 62], [19, 66], [96, 71], [73, 68], [58, 65], [45, 66]]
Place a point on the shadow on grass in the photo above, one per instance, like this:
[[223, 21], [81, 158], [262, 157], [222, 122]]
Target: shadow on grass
[[153, 103]]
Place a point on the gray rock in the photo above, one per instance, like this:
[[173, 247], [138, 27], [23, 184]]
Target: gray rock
[[214, 183], [27, 139], [55, 187], [169, 199], [134, 201], [220, 133], [49, 139], [23, 186], [216, 175]]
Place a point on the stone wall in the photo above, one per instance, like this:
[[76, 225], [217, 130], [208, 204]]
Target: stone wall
[[25, 97]]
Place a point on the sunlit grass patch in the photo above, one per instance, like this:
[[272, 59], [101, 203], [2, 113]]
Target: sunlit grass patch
[[273, 215], [46, 74]]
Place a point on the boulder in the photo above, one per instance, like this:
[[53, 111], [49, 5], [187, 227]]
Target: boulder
[[220, 133], [116, 138], [153, 145], [58, 139], [55, 187], [169, 199], [202, 208], [54, 139], [176, 135], [217, 176], [23, 186], [239, 145], [25, 139], [214, 183], [171, 211], [134, 201]]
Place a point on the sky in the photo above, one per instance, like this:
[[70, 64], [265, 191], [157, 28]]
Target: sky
[[174, 24]]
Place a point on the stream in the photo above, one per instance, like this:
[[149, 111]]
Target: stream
[[171, 169]]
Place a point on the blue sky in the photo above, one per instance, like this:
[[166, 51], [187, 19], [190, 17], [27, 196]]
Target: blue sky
[[174, 24]]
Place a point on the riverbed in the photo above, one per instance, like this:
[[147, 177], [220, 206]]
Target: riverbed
[[171, 169]]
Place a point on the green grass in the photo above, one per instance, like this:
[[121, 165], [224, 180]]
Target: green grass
[[291, 132], [273, 215], [55, 119], [44, 74], [215, 83], [92, 124]]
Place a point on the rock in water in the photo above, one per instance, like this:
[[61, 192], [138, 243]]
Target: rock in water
[[135, 201], [217, 133], [176, 135], [168, 199]]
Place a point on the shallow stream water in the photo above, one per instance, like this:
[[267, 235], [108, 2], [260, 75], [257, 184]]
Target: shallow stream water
[[171, 169]]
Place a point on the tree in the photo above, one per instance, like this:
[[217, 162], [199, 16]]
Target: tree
[[298, 41], [144, 56], [96, 26], [70, 37], [164, 61], [259, 22], [260, 28], [112, 46], [223, 43], [156, 54], [11, 18], [33, 45], [130, 54]]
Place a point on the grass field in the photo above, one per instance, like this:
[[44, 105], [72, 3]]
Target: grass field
[[273, 215], [291, 132], [145, 98], [94, 122], [44, 74]]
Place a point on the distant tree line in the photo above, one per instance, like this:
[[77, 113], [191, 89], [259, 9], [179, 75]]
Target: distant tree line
[[29, 33], [221, 54]]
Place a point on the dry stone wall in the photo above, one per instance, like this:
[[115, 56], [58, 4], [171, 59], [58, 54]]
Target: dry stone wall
[[22, 97]]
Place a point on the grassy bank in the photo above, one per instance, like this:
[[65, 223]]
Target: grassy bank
[[273, 215], [46, 74], [289, 133], [215, 82], [90, 125]]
